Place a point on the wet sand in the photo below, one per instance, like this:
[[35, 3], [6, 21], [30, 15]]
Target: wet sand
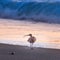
[[25, 53]]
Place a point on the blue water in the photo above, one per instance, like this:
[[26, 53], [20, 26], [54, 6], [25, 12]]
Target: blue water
[[31, 11]]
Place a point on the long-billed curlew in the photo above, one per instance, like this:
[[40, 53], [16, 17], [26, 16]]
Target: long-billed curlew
[[31, 40]]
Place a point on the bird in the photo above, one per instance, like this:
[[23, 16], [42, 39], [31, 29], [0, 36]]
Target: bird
[[31, 40]]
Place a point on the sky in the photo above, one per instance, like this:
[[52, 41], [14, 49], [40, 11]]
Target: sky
[[13, 31]]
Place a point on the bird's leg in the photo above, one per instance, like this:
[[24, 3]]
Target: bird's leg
[[31, 45]]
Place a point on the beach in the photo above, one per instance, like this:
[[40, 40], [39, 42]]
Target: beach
[[25, 53]]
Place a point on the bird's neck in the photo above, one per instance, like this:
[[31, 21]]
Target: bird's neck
[[30, 36]]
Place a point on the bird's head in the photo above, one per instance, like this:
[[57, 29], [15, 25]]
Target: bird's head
[[29, 35]]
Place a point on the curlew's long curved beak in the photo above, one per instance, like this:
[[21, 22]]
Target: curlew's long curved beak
[[26, 35]]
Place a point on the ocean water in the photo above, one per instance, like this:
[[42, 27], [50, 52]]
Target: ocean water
[[31, 11], [42, 19]]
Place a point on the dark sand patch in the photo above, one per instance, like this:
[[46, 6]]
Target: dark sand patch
[[25, 53]]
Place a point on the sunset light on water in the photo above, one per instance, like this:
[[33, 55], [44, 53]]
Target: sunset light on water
[[13, 31]]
